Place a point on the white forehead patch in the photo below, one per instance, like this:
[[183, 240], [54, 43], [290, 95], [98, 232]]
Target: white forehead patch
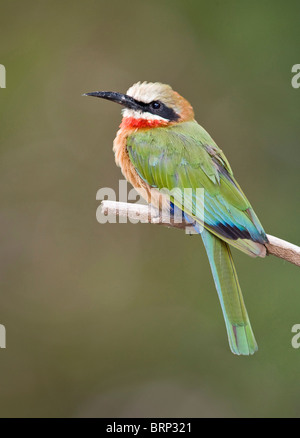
[[148, 91]]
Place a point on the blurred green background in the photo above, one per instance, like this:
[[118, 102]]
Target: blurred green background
[[124, 320]]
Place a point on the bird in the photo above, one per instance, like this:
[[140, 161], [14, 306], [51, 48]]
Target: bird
[[160, 145]]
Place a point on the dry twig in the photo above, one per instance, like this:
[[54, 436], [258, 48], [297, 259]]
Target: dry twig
[[148, 214]]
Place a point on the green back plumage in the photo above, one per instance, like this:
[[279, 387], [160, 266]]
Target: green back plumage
[[185, 156]]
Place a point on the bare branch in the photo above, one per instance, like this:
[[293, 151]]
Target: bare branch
[[283, 249], [148, 214]]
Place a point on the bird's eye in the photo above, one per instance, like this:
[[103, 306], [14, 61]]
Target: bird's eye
[[155, 105]]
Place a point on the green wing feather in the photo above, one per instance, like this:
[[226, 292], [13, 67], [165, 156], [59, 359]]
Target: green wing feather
[[185, 156]]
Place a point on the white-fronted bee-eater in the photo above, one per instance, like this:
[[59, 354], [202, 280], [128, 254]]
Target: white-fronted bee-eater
[[161, 146]]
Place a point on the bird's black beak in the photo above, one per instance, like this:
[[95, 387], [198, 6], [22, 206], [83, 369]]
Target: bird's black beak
[[120, 98]]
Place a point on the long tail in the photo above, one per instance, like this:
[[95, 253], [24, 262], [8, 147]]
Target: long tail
[[240, 335]]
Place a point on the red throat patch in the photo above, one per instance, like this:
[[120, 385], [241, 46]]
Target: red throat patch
[[132, 123]]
